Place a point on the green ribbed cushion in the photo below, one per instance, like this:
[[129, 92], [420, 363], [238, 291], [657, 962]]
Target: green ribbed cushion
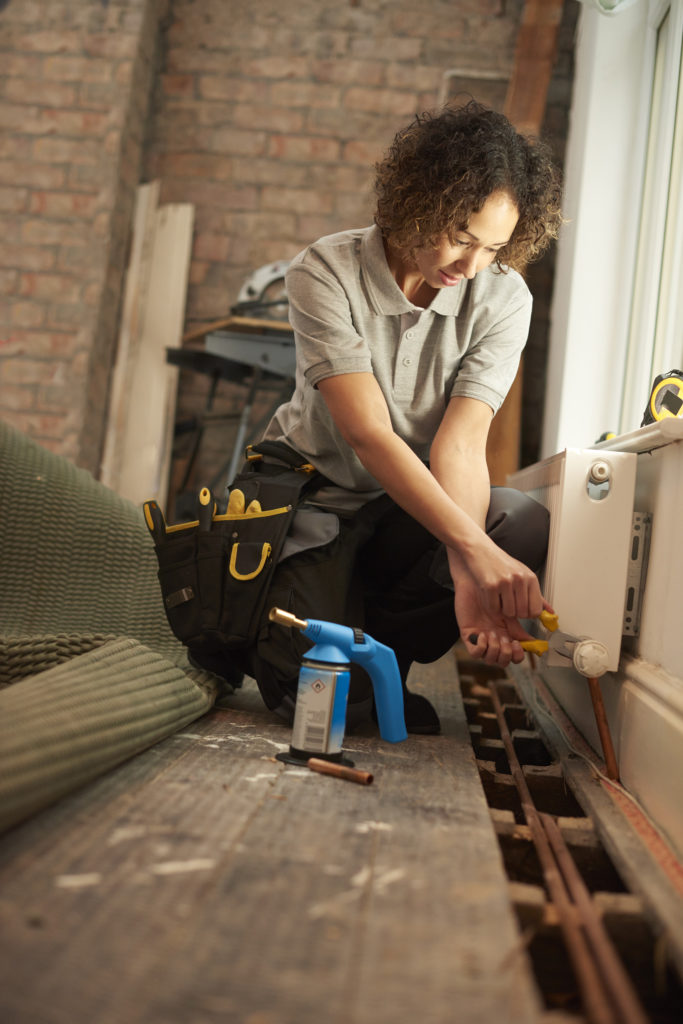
[[65, 726], [81, 620]]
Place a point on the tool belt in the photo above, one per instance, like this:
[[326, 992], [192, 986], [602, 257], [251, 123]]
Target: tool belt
[[215, 571]]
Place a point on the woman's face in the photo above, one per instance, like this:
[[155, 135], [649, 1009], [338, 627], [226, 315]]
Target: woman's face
[[474, 247]]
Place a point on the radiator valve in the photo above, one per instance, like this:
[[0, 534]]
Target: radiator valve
[[590, 658], [600, 472]]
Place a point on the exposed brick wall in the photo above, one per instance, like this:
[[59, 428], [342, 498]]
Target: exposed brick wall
[[75, 80], [267, 116], [270, 116]]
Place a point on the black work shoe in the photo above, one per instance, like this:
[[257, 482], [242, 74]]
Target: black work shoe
[[420, 715]]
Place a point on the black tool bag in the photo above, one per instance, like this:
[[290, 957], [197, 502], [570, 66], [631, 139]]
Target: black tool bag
[[215, 572]]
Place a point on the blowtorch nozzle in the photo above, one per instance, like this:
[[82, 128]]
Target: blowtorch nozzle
[[286, 619]]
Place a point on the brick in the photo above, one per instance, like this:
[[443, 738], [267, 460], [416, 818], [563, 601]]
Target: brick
[[184, 59], [303, 148], [97, 95], [27, 314], [366, 153], [41, 426], [354, 208], [196, 165], [30, 174], [27, 90], [211, 247], [15, 117], [90, 260], [260, 224], [45, 232], [241, 143], [13, 200], [276, 67], [63, 205], [30, 371], [380, 101], [305, 94], [16, 398], [414, 76], [61, 315], [349, 72], [238, 90], [38, 344], [386, 47], [269, 118], [68, 151], [29, 257], [22, 65], [297, 200], [211, 194], [269, 251], [355, 124], [9, 282], [270, 172], [48, 41], [51, 121], [115, 45], [50, 286], [178, 85], [311, 227], [77, 69], [198, 271]]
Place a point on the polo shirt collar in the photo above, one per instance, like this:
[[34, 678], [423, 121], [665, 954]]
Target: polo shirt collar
[[385, 296]]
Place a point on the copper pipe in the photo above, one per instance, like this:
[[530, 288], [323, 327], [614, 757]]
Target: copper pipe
[[340, 771], [603, 729], [618, 982], [597, 1007]]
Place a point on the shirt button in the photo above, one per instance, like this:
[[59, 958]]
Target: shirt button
[[410, 334], [407, 361]]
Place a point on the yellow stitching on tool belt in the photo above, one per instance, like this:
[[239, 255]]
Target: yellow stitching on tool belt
[[265, 552]]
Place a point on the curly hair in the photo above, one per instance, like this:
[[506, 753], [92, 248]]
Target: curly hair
[[441, 169]]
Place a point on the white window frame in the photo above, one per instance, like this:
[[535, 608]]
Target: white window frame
[[602, 338], [655, 342]]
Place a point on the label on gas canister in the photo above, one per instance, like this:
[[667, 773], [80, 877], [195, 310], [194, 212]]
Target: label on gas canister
[[320, 715]]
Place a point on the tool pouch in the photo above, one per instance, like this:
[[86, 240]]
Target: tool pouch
[[215, 571]]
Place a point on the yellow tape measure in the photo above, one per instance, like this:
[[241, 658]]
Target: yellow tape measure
[[666, 397]]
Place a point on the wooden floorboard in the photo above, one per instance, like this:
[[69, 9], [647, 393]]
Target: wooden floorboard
[[205, 881]]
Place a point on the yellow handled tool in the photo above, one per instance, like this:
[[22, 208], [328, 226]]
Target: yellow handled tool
[[551, 623]]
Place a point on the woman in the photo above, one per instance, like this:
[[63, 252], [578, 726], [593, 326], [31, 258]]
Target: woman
[[408, 336]]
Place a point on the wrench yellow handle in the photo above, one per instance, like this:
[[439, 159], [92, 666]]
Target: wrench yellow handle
[[549, 620], [534, 646]]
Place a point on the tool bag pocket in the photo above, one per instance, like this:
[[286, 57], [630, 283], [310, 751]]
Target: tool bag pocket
[[215, 572], [214, 583]]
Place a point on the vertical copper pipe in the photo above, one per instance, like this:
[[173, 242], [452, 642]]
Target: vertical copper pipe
[[603, 729], [613, 971], [596, 1004]]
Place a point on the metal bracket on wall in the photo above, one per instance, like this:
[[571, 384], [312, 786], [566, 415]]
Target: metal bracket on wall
[[637, 571]]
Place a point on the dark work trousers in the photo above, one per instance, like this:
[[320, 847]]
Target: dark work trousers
[[389, 576]]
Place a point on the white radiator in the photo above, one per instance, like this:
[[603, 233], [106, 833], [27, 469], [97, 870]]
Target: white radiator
[[589, 495]]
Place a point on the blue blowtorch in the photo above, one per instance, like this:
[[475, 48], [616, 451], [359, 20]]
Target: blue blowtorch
[[323, 689]]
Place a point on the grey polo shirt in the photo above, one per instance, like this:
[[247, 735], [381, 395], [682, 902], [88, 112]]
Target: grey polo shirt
[[349, 316]]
